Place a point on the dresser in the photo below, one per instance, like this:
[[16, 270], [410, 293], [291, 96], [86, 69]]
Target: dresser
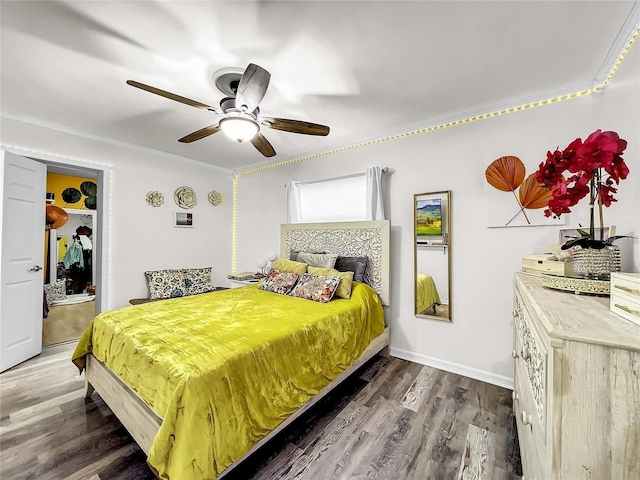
[[576, 394]]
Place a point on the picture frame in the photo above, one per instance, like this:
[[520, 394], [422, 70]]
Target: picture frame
[[566, 234], [428, 218], [183, 219]]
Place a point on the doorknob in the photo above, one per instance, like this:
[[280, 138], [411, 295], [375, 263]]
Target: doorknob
[[35, 268]]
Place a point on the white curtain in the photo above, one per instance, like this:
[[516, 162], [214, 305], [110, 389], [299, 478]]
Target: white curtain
[[375, 207], [293, 207]]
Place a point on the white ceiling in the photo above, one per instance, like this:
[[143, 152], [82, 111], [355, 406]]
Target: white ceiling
[[364, 68]]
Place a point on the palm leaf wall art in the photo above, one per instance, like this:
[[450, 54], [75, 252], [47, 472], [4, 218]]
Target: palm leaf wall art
[[508, 174]]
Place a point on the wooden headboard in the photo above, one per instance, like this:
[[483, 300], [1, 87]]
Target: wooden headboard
[[347, 239]]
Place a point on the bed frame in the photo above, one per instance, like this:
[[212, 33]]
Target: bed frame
[[369, 239]]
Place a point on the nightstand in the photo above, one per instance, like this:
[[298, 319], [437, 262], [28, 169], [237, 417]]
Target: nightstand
[[241, 283]]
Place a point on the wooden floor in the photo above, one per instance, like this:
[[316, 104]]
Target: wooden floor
[[66, 322], [391, 420]]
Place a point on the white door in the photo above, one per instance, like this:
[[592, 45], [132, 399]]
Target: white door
[[21, 278]]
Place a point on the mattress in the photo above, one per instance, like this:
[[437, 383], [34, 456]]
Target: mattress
[[223, 369]]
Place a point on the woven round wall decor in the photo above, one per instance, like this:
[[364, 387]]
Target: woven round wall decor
[[155, 198], [185, 197], [215, 198]]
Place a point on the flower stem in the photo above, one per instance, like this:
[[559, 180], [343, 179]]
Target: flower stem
[[592, 188], [599, 193]]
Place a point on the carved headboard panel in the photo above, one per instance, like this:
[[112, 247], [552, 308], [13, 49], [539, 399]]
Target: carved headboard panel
[[348, 239]]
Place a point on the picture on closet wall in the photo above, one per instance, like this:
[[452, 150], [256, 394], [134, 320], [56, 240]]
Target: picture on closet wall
[[183, 219]]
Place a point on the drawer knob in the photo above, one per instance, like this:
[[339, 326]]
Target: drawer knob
[[627, 289], [514, 354], [515, 396], [526, 418], [525, 353], [628, 310]]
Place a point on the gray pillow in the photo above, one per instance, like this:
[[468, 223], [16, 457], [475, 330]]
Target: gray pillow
[[357, 265], [322, 260], [293, 255]]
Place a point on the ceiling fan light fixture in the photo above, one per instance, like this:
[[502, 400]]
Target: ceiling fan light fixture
[[239, 128]]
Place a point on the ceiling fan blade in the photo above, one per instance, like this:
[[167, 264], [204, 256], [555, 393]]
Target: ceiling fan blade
[[252, 87], [262, 144], [171, 96], [295, 126], [200, 134]]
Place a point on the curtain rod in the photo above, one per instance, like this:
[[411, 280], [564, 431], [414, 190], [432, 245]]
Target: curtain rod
[[310, 182]]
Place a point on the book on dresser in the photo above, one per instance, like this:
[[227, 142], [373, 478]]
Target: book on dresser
[[576, 385]]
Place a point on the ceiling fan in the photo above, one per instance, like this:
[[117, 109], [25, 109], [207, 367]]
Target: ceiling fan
[[241, 119]]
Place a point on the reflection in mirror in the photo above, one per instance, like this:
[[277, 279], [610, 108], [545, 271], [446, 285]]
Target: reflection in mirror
[[432, 240]]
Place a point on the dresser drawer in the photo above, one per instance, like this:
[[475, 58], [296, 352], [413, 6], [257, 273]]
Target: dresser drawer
[[531, 391], [626, 306], [532, 355], [625, 295], [534, 454]]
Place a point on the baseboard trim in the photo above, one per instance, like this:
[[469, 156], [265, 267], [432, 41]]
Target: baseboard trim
[[476, 374]]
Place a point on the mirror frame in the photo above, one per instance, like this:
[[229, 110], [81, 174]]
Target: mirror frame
[[446, 245]]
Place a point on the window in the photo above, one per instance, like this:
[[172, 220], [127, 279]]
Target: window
[[335, 200], [343, 199]]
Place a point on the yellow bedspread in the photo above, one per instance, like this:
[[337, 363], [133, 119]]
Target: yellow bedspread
[[223, 369], [427, 293]]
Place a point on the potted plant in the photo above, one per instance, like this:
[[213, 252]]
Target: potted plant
[[590, 168]]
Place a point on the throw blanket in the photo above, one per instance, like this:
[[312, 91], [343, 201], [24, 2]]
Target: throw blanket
[[223, 369]]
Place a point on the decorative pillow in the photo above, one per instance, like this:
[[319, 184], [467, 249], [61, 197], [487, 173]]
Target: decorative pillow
[[279, 282], [197, 280], [165, 283], [322, 260], [346, 280], [285, 265], [357, 265], [55, 291], [293, 255], [319, 288]]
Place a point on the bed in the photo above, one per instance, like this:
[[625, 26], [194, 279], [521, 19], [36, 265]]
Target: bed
[[202, 382], [426, 293]]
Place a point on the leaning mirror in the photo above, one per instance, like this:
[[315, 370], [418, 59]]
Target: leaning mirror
[[432, 241]]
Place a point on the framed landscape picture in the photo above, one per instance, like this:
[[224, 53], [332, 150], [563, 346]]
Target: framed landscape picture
[[428, 219]]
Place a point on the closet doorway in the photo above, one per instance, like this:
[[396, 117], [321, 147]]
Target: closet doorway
[[70, 277]]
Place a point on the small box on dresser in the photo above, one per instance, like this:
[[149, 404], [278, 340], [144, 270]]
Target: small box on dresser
[[576, 385], [538, 264], [625, 295]]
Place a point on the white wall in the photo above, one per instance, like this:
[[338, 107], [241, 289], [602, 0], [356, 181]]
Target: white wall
[[142, 237], [484, 259]]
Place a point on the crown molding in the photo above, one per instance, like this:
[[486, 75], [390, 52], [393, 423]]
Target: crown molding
[[628, 30], [117, 143], [489, 111]]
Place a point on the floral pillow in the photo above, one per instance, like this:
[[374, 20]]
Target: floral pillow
[[55, 291], [319, 288], [279, 282], [346, 280], [165, 283], [197, 280]]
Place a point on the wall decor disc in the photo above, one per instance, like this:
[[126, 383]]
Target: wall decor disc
[[185, 197], [155, 198], [215, 198]]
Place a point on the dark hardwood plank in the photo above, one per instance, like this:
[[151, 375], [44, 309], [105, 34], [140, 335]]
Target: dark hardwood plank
[[393, 419]]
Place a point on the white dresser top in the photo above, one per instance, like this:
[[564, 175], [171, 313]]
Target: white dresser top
[[584, 318]]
